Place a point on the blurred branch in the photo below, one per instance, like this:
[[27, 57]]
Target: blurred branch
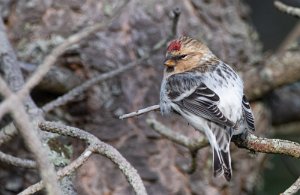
[[293, 189], [176, 14], [95, 146], [278, 71], [7, 133], [87, 84], [18, 162], [31, 138], [294, 11], [192, 144]]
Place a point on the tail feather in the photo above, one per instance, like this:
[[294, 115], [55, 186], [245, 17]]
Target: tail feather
[[217, 164], [219, 139], [226, 164]]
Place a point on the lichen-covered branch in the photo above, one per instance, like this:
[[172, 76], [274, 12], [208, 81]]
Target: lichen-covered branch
[[61, 173], [31, 138], [271, 146], [101, 148], [293, 189]]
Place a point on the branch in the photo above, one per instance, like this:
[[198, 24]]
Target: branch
[[18, 162], [140, 112], [294, 11], [31, 138], [278, 71], [81, 88], [61, 173], [192, 144], [252, 142], [96, 146], [7, 133], [271, 146], [293, 189]]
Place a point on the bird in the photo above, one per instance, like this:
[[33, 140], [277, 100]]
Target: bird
[[207, 93]]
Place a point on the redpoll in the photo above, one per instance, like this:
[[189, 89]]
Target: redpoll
[[208, 94]]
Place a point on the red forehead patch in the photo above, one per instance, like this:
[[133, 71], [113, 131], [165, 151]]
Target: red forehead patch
[[174, 46]]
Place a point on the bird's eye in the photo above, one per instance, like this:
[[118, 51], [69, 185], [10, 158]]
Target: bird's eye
[[180, 57]]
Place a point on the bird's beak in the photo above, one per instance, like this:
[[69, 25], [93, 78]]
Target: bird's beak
[[169, 62]]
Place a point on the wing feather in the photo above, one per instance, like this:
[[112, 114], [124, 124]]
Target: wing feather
[[193, 97], [248, 114]]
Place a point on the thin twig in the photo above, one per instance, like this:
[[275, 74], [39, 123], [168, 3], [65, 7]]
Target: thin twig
[[192, 144], [293, 189], [140, 112], [31, 138], [62, 172], [294, 11], [18, 162], [176, 16], [81, 88], [101, 148]]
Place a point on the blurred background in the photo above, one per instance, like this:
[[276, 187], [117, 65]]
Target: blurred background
[[245, 34]]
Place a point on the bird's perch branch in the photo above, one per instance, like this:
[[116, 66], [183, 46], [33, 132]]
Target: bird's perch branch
[[252, 142], [140, 112]]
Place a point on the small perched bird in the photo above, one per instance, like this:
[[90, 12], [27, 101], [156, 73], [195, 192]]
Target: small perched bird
[[208, 94]]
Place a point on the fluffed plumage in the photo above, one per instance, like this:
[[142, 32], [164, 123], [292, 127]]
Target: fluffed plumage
[[208, 94]]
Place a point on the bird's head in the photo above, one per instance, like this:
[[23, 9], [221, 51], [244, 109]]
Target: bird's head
[[184, 54]]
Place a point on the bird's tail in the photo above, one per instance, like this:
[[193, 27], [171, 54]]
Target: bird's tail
[[222, 164], [220, 140]]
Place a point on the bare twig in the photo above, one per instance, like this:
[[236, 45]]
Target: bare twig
[[18, 162], [176, 16], [294, 11], [81, 88], [101, 148], [31, 138], [293, 189], [140, 112], [192, 144]]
